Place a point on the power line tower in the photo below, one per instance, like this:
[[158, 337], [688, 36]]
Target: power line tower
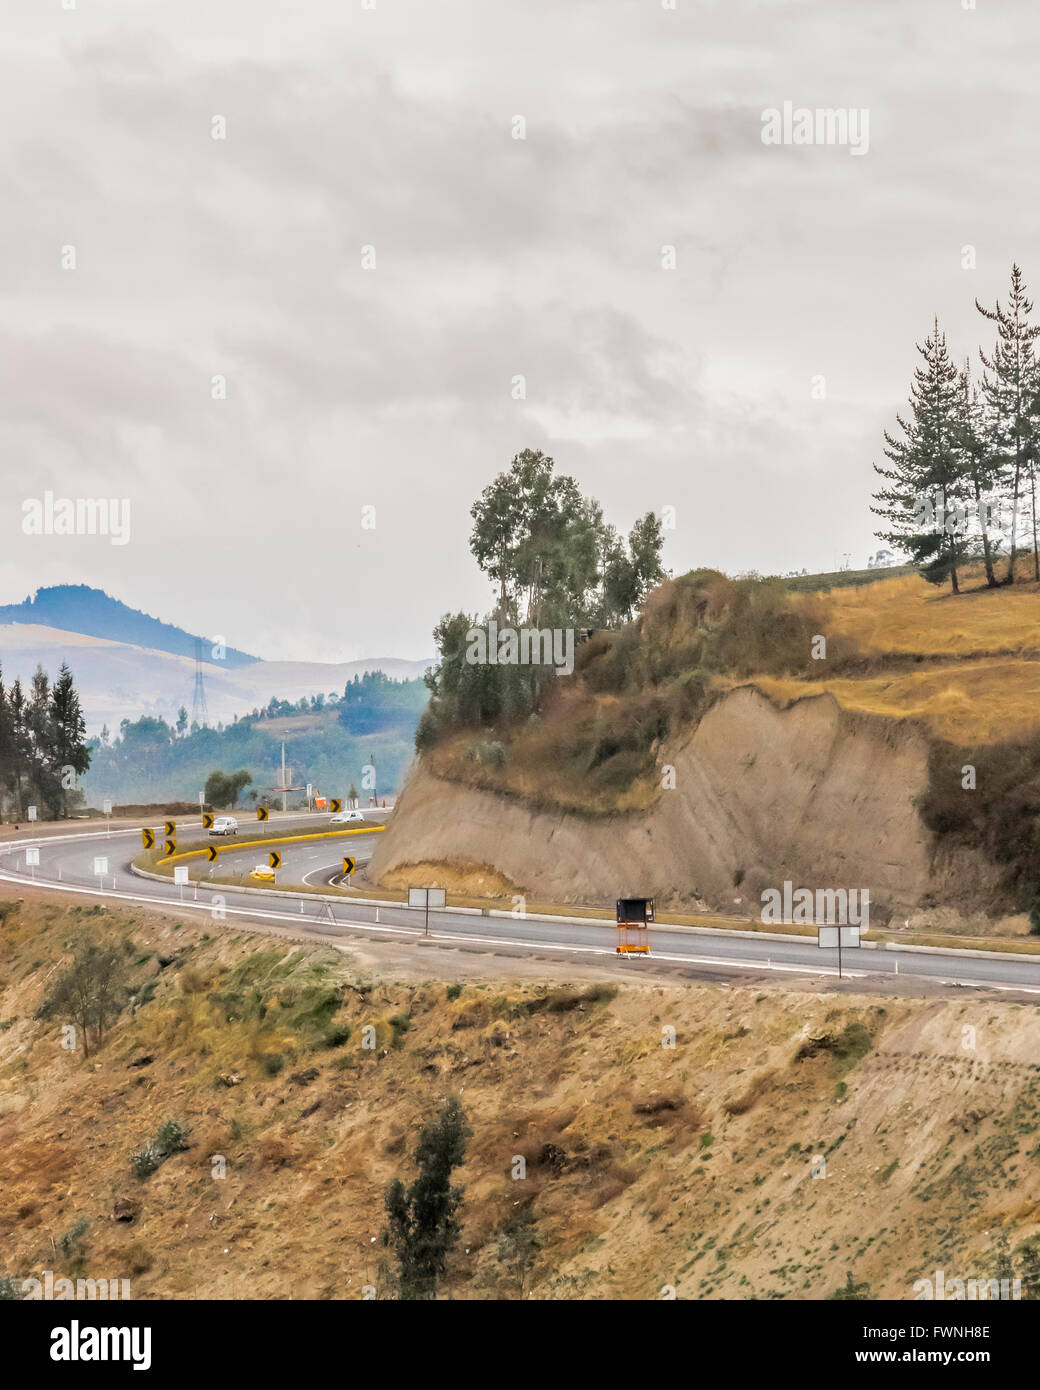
[[199, 709]]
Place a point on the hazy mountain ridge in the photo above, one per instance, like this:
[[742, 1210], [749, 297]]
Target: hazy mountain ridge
[[82, 609]]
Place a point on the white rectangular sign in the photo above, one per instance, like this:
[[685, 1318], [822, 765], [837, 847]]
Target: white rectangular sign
[[426, 897], [32, 812], [32, 856], [100, 865], [828, 937], [106, 807], [180, 873]]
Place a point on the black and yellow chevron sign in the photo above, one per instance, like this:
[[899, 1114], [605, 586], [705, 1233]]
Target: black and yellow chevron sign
[[261, 813], [335, 805], [211, 853], [274, 860], [349, 865], [169, 827], [207, 821], [169, 848], [148, 839]]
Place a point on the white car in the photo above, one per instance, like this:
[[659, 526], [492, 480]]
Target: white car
[[346, 818], [225, 825]]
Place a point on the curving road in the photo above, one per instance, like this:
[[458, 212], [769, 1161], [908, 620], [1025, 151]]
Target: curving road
[[67, 863]]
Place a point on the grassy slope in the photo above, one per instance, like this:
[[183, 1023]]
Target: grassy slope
[[981, 682], [646, 1165]]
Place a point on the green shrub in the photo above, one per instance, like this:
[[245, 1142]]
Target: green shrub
[[145, 1161], [171, 1138], [273, 1063]]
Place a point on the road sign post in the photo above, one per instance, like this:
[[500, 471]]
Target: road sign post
[[180, 877], [32, 859], [829, 937], [106, 808], [426, 898], [100, 867], [349, 865], [32, 812]]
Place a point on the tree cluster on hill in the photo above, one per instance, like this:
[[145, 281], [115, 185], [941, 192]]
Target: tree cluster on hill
[[964, 463], [373, 719], [558, 567], [43, 749]]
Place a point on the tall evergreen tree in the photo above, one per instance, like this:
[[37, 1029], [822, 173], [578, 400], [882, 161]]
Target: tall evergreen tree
[[6, 743], [69, 728], [926, 484], [1012, 391], [20, 742], [982, 469]]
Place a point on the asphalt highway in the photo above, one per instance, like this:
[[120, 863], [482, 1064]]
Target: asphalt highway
[[68, 866]]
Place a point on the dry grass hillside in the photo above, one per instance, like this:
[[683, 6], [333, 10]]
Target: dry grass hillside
[[974, 674], [648, 1167]]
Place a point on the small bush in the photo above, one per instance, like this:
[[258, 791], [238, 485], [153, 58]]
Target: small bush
[[400, 1023], [171, 1138], [273, 1063], [72, 1237], [337, 1036], [453, 992], [144, 1162]]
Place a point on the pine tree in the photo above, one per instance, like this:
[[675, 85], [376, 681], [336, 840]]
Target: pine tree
[[1011, 387], [423, 1228], [926, 484], [69, 729], [45, 773], [19, 734], [983, 471], [6, 743]]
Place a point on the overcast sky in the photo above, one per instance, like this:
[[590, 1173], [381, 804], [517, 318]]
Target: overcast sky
[[392, 127]]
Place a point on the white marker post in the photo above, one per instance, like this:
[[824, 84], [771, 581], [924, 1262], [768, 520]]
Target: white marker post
[[32, 859], [831, 937], [106, 807], [427, 898]]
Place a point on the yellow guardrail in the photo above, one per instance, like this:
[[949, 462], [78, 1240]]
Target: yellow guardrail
[[275, 840]]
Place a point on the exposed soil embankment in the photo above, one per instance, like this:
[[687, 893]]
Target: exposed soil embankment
[[811, 793]]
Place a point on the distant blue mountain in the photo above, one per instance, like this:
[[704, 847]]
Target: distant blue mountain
[[79, 608]]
